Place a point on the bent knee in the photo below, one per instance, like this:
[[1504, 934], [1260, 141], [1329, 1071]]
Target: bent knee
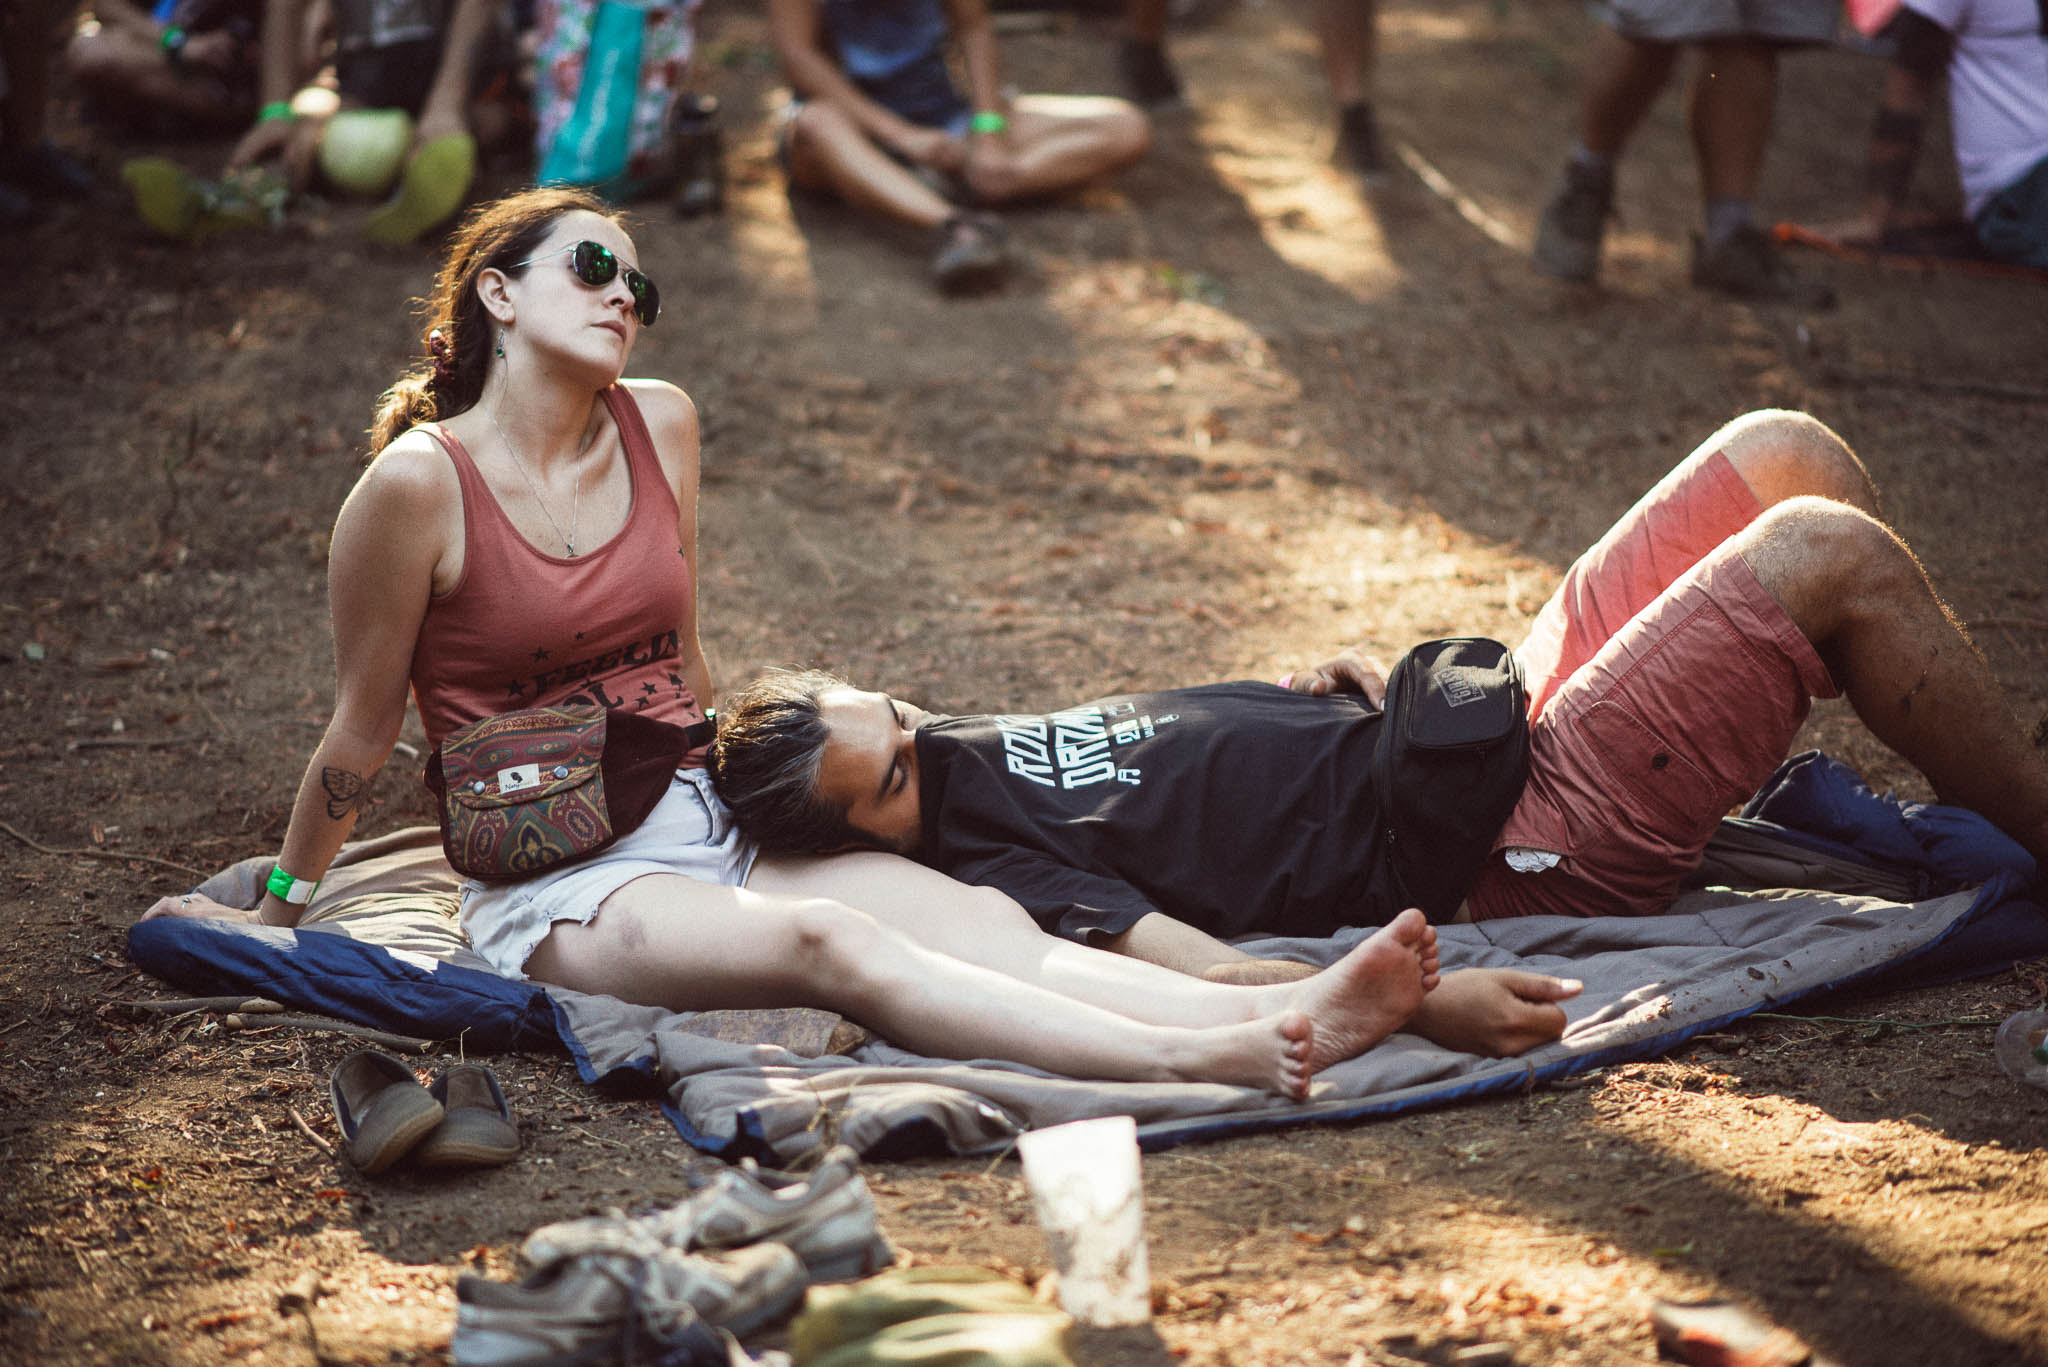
[[1820, 557], [1783, 454]]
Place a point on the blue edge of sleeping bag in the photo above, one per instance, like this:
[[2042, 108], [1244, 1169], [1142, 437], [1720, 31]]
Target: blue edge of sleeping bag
[[1811, 800]]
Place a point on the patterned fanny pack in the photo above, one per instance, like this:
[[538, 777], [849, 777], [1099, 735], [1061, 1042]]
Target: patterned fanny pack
[[528, 791]]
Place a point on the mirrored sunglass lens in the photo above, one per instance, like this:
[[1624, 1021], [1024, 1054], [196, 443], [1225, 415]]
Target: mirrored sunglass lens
[[594, 263], [646, 298]]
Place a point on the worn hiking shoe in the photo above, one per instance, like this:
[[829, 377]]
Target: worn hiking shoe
[[1148, 75], [1358, 142], [1574, 221], [1747, 266], [829, 1221], [607, 1306], [971, 255]]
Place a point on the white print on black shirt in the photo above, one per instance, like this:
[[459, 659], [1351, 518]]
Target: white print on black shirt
[[1071, 749]]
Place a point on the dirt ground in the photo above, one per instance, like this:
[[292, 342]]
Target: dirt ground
[[1233, 414]]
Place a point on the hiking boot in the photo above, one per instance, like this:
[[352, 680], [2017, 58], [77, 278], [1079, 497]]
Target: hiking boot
[[1148, 75], [602, 1306], [1747, 266], [829, 1221], [1358, 142], [971, 255], [1574, 221]]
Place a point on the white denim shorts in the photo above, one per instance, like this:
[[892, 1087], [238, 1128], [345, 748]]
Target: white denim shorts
[[689, 832]]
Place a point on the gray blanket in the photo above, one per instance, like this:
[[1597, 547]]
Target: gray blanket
[[779, 1084]]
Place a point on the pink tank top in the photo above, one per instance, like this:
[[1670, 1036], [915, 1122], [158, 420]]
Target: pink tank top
[[522, 628]]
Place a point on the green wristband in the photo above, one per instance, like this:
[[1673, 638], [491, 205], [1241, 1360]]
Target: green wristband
[[276, 109], [296, 891], [987, 121]]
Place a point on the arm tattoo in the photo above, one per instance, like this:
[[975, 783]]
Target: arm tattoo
[[344, 791]]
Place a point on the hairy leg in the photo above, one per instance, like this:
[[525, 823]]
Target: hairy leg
[[828, 152], [1349, 31], [1145, 20], [1906, 664], [1623, 77], [1776, 454], [1730, 115]]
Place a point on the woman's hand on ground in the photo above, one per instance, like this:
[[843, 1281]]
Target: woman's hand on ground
[[199, 908], [1498, 1012]]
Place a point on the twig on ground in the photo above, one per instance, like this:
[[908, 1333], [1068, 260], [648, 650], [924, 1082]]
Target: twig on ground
[[407, 1043], [307, 1130], [41, 848], [1467, 207], [131, 742], [184, 1005]]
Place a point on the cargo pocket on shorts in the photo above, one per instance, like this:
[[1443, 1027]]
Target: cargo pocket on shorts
[[1674, 798]]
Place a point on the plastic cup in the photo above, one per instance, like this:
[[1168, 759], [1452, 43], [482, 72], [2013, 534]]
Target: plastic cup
[[1085, 1185]]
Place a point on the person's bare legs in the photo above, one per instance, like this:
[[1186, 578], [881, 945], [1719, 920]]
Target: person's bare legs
[[985, 927], [1349, 31], [1729, 114], [1622, 78], [1059, 142], [828, 152], [670, 941], [1903, 660], [1145, 21]]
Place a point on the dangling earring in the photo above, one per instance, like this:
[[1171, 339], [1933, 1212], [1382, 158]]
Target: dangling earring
[[501, 348]]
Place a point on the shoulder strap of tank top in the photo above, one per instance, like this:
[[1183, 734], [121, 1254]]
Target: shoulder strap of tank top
[[638, 441]]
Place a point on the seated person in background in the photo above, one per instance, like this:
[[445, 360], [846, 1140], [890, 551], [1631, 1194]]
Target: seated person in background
[[1667, 678], [185, 66], [430, 58], [1995, 55], [879, 123]]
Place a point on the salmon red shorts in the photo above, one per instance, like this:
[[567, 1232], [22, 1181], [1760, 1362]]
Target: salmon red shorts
[[1666, 683]]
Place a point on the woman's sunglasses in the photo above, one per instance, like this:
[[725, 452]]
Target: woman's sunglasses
[[596, 266]]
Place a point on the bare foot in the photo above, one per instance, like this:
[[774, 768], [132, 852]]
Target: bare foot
[[1270, 1053], [193, 905], [1370, 992]]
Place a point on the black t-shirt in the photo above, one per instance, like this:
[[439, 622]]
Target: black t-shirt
[[1231, 807]]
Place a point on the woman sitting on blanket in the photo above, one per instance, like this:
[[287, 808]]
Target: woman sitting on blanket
[[526, 534]]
